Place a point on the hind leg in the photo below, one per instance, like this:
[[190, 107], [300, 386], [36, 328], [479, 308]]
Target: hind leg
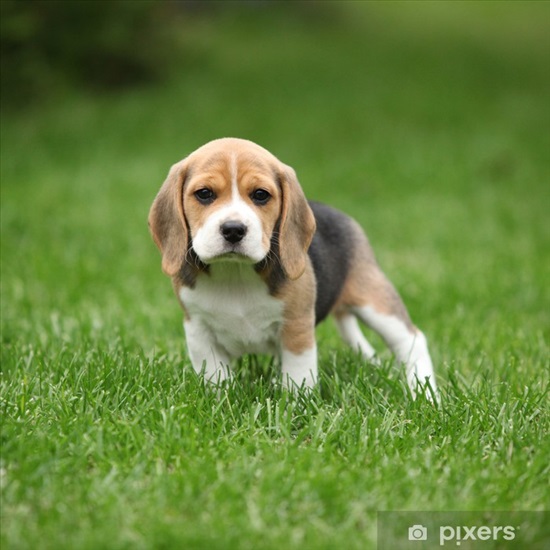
[[351, 333], [407, 342], [369, 295]]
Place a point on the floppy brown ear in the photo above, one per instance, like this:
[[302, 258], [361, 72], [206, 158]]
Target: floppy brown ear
[[297, 225], [167, 220]]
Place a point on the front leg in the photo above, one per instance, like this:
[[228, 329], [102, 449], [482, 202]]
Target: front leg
[[207, 357], [299, 353]]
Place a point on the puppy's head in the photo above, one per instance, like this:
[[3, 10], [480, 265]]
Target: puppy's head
[[231, 200]]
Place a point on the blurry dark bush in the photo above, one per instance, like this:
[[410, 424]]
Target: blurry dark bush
[[47, 44]]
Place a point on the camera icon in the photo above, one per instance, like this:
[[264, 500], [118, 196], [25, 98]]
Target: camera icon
[[418, 532]]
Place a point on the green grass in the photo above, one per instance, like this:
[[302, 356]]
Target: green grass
[[432, 131]]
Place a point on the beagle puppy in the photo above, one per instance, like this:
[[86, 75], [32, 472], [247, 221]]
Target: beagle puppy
[[256, 266]]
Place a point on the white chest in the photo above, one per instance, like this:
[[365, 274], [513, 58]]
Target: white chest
[[233, 306]]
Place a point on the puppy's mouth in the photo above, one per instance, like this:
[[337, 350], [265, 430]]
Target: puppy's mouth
[[233, 255]]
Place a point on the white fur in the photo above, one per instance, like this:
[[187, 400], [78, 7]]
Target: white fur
[[352, 335], [230, 313], [299, 368], [409, 346], [209, 243], [207, 356]]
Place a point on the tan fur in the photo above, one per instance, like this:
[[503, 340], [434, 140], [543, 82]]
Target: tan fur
[[299, 327], [297, 226], [166, 220], [366, 284]]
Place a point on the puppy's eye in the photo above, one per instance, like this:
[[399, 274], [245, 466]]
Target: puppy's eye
[[260, 196], [205, 195]]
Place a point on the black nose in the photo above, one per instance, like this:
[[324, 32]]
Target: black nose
[[233, 231]]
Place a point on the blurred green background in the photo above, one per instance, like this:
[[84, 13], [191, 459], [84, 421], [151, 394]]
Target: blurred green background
[[427, 121]]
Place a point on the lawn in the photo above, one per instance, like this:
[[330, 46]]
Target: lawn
[[427, 122]]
